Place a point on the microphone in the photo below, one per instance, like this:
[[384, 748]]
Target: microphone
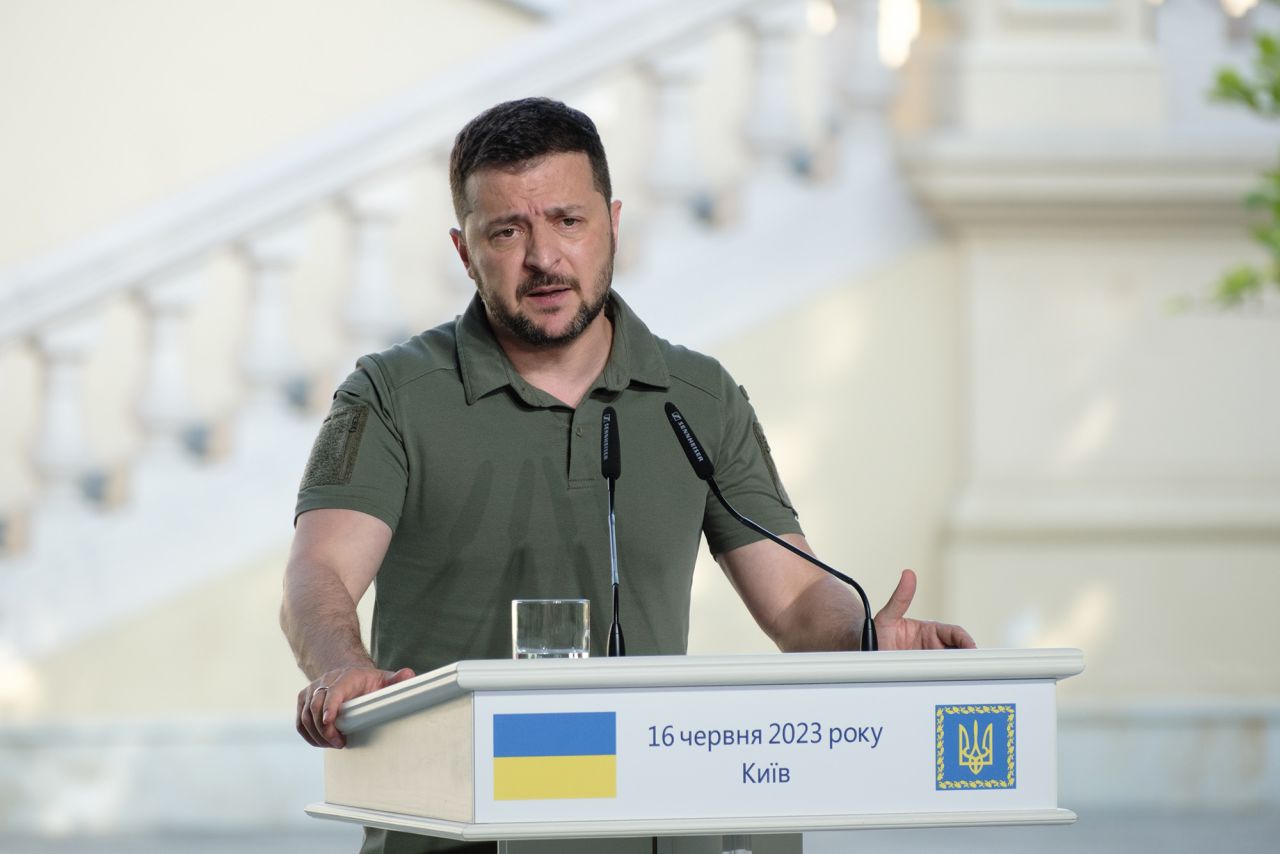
[[611, 470], [705, 470]]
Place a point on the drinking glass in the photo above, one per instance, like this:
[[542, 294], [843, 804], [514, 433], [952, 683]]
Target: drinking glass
[[550, 628]]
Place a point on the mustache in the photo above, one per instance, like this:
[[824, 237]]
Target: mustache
[[543, 280]]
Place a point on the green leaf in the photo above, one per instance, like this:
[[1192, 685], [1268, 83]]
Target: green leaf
[[1272, 106], [1260, 199], [1268, 234], [1231, 88], [1268, 48], [1259, 93], [1237, 286]]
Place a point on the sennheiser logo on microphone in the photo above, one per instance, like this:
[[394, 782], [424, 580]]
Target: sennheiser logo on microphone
[[688, 436]]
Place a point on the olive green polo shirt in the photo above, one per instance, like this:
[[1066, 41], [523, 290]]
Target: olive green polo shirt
[[494, 492]]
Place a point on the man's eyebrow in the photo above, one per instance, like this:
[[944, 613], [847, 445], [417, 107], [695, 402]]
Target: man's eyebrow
[[505, 219], [554, 212]]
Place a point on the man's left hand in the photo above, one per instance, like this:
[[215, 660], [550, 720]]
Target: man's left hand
[[897, 631]]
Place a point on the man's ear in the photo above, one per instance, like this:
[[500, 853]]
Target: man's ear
[[615, 218], [460, 244]]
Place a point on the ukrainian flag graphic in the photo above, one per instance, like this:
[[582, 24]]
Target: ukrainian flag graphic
[[555, 755]]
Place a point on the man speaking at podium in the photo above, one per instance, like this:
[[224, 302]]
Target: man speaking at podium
[[461, 468]]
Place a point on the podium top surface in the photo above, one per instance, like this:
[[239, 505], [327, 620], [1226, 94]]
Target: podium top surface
[[814, 668]]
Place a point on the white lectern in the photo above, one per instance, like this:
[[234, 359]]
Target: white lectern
[[720, 753]]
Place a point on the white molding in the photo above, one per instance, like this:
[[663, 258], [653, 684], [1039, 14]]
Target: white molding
[[995, 510], [1060, 179], [541, 8], [1229, 710], [1080, 14]]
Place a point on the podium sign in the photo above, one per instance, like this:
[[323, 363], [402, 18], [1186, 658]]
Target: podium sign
[[745, 752], [686, 745]]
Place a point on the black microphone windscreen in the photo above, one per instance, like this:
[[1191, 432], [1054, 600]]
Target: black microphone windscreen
[[698, 458], [610, 449]]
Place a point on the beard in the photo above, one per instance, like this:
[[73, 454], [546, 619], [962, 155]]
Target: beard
[[522, 327]]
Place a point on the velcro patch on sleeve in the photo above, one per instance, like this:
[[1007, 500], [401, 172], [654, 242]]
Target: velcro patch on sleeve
[[333, 457], [768, 461]]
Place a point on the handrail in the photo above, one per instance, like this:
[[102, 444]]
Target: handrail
[[223, 210]]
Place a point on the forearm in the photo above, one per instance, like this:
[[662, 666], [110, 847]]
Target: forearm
[[826, 616], [800, 607], [319, 619]]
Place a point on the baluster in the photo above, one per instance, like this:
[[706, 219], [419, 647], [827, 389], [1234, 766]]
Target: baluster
[[675, 179], [374, 316], [167, 410], [865, 82], [19, 482], [270, 363], [62, 454], [772, 126]]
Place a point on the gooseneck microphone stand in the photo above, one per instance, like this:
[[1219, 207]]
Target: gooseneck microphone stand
[[611, 469], [705, 470]]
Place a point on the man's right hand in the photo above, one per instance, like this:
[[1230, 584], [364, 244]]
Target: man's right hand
[[319, 702]]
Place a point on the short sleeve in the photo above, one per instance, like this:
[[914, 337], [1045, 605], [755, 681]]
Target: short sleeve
[[358, 461], [747, 477]]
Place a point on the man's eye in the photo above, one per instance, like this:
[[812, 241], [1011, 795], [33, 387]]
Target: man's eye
[[570, 221], [503, 234]]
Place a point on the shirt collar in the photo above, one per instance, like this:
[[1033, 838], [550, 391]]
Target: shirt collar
[[634, 357]]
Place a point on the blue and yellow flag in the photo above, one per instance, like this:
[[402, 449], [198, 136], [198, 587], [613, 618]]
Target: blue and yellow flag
[[555, 755]]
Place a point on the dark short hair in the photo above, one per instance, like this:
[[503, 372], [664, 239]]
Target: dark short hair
[[514, 133]]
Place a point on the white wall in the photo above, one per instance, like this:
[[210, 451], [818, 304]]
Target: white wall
[[858, 393]]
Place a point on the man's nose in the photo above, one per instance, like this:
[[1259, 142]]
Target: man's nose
[[542, 250]]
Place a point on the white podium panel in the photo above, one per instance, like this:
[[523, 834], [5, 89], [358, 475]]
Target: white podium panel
[[748, 752], [679, 746]]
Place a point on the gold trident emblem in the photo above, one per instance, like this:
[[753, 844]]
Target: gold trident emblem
[[973, 755]]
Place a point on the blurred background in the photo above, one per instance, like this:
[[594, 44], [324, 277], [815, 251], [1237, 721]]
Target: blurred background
[[963, 256]]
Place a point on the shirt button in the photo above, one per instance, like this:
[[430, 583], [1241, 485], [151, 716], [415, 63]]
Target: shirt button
[[578, 432]]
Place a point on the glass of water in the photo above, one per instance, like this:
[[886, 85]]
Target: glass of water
[[550, 628]]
